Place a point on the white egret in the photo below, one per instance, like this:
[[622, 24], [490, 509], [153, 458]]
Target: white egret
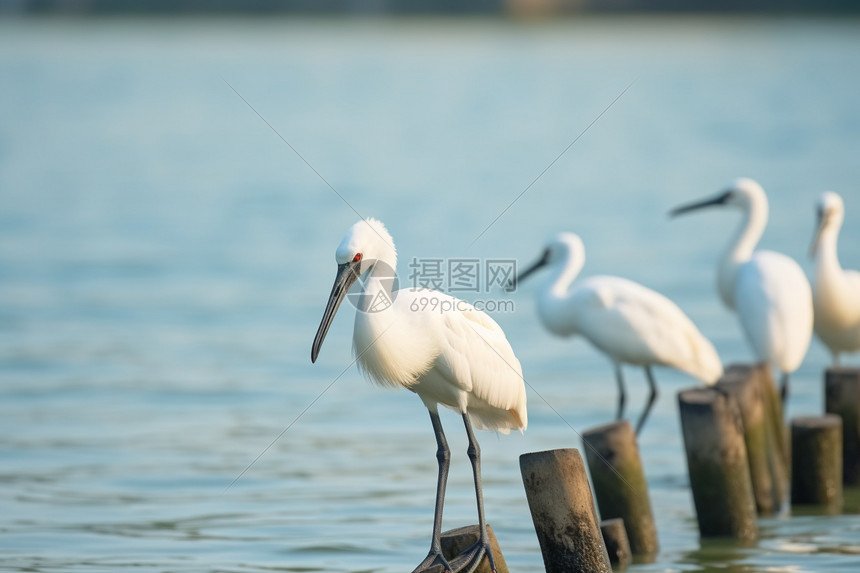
[[626, 321], [437, 346], [768, 290], [836, 292]]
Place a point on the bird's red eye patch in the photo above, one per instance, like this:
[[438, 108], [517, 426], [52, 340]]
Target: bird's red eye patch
[[356, 258]]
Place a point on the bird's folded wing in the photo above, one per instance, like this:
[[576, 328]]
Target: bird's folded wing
[[480, 361]]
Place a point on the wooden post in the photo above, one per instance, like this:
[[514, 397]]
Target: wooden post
[[619, 482], [842, 397], [748, 385], [455, 541], [617, 543], [816, 468], [717, 463], [563, 512]]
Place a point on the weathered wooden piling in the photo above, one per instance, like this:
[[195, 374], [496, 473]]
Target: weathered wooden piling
[[816, 470], [563, 512], [617, 543], [748, 385], [619, 482], [717, 463], [842, 397], [455, 541]]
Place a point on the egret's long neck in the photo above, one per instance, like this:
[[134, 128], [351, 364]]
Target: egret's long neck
[[374, 315], [556, 290], [741, 247], [827, 267], [384, 343]]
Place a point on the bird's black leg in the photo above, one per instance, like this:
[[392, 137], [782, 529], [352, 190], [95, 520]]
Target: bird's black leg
[[482, 547], [652, 397], [435, 559], [622, 394], [783, 390]]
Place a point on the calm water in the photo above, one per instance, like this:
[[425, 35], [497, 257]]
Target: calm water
[[165, 258]]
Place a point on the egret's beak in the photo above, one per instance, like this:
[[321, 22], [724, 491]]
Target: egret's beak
[[541, 262], [718, 200], [347, 274], [813, 247]]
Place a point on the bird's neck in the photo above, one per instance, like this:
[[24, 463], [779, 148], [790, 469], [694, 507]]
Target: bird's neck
[[375, 317], [741, 248], [556, 290], [827, 267], [386, 344]]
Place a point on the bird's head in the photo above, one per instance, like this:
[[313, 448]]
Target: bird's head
[[557, 250], [742, 194], [366, 244], [830, 212]]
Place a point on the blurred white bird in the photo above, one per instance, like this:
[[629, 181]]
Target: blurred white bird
[[623, 319], [836, 292], [437, 346], [768, 290]]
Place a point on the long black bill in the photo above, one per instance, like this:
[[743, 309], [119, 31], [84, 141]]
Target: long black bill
[[542, 261], [718, 200], [347, 274]]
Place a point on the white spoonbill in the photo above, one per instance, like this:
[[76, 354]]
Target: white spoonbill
[[768, 290], [446, 351], [836, 293], [626, 321]]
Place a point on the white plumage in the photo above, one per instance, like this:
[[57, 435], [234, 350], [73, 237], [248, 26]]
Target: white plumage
[[435, 345], [628, 322], [772, 300], [458, 357], [836, 292], [768, 290]]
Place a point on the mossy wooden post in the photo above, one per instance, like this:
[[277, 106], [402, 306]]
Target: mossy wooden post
[[816, 472], [619, 482], [563, 512], [455, 541], [717, 462], [842, 397], [768, 469], [617, 543]]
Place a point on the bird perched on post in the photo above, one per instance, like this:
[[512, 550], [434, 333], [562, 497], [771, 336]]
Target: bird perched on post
[[626, 321], [768, 290], [835, 292], [447, 352]]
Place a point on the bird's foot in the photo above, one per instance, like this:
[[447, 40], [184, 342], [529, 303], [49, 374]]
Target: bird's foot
[[466, 562], [472, 557], [435, 562]]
